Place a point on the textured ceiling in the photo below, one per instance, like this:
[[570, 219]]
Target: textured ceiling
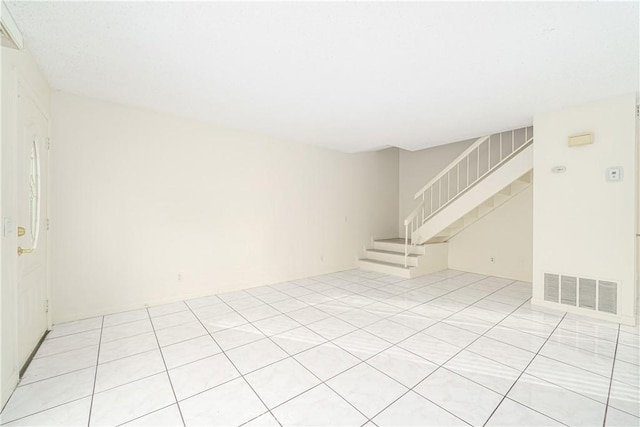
[[351, 76]]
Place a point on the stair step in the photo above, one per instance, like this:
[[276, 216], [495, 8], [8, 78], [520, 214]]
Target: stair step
[[392, 256], [385, 267], [397, 245]]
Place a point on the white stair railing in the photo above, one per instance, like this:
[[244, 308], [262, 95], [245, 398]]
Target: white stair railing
[[476, 162]]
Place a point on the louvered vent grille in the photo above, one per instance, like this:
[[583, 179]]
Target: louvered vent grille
[[608, 297], [551, 287], [587, 292], [591, 294], [569, 290]]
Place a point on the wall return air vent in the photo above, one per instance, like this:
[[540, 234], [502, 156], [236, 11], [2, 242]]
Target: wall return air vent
[[582, 292]]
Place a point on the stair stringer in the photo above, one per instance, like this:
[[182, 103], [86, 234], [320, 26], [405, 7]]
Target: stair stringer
[[487, 188]]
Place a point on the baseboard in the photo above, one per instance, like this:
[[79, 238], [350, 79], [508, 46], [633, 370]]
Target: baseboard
[[7, 389], [598, 315], [203, 292]]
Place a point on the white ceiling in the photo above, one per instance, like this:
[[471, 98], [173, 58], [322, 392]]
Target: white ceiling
[[351, 76]]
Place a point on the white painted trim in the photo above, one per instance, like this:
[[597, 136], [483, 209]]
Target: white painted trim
[[10, 27], [625, 320], [7, 389]]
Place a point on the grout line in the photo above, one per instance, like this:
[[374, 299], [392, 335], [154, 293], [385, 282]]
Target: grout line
[[165, 368], [613, 366], [236, 368], [152, 412], [95, 377], [522, 373]]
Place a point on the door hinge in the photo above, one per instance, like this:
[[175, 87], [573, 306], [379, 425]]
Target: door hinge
[[48, 143], [637, 110], [46, 306], [48, 224]]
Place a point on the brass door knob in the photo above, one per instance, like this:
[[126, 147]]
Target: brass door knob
[[21, 231]]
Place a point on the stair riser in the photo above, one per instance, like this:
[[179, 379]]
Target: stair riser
[[395, 258], [397, 247], [385, 269]]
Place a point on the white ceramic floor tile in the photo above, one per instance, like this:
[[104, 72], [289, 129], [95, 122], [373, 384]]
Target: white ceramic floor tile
[[125, 317], [281, 381], [628, 354], [121, 371], [214, 310], [327, 360], [46, 394], [162, 310], [235, 337], [468, 323], [413, 320], [233, 403], [176, 334], [127, 347], [506, 354], [319, 406], [256, 355], [362, 344], [69, 328], [486, 372], [223, 321], [367, 389], [74, 413], [189, 351], [130, 401], [414, 410], [403, 366], [254, 314], [556, 402], [603, 330], [460, 396], [524, 325], [242, 303], [331, 328], [125, 330], [298, 340], [359, 318], [390, 331], [288, 305], [512, 414], [307, 315], [165, 417], [202, 375], [630, 339], [516, 338], [430, 348], [69, 342], [627, 373], [203, 301], [264, 420], [616, 418], [276, 325], [451, 334], [587, 360], [61, 363], [583, 342], [575, 379], [625, 397], [173, 319]]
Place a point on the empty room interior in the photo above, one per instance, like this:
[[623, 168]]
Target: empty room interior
[[319, 213]]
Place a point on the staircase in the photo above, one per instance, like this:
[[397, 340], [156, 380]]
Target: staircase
[[491, 171]]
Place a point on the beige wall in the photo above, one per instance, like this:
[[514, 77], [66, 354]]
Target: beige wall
[[417, 168], [17, 66], [151, 208], [505, 234], [583, 225]]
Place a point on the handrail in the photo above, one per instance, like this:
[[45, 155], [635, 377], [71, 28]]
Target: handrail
[[414, 220], [444, 171]]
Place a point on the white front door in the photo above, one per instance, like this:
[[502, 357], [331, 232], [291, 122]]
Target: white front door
[[32, 173]]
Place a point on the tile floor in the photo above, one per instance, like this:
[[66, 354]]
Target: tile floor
[[351, 348]]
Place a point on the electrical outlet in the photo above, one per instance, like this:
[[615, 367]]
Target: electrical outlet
[[492, 259]]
